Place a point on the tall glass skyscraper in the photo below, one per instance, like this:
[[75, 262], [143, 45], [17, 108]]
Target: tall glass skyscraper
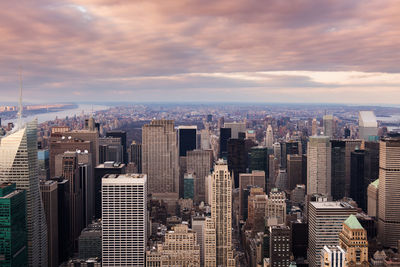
[[19, 164]]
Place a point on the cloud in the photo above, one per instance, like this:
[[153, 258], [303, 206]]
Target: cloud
[[196, 46]]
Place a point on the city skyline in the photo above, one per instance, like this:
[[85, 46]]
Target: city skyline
[[251, 51]]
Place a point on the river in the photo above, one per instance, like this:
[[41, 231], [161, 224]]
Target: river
[[60, 114]]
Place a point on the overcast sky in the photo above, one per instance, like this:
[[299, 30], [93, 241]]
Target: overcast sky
[[342, 51]]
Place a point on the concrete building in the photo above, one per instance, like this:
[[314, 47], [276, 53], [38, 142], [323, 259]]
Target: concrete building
[[160, 161], [257, 204], [90, 241], [353, 240], [209, 243], [108, 167], [180, 248], [275, 212], [328, 125], [236, 128], [280, 246], [269, 137], [389, 192], [49, 191], [200, 163], [255, 178], [294, 170], [319, 165], [325, 221], [372, 194], [221, 212], [124, 219]]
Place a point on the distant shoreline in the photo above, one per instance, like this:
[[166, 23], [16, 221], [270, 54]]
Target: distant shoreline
[[32, 110]]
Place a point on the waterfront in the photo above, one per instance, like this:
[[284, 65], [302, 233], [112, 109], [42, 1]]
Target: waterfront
[[60, 114]]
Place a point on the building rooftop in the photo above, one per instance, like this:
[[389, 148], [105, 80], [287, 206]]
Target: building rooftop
[[353, 223], [367, 119], [331, 205]]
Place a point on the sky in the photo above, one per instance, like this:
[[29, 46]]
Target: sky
[[316, 51]]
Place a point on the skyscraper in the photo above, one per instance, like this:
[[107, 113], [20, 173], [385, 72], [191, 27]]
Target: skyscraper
[[180, 248], [389, 192], [160, 161], [333, 256], [328, 125], [338, 170], [122, 136], [269, 137], [325, 222], [49, 193], [236, 128], [294, 170], [256, 178], [238, 151], [224, 135], [221, 212], [124, 219], [110, 149], [279, 248], [367, 125], [209, 243], [19, 164], [13, 237], [187, 139], [109, 167], [136, 155], [319, 165], [200, 163]]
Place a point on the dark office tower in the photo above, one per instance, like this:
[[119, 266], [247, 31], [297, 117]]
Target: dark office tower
[[67, 167], [209, 118], [280, 246], [358, 191], [90, 241], [49, 191], [44, 164], [122, 135], [289, 148], [294, 170], [347, 133], [87, 180], [338, 170], [224, 136], [199, 162], [351, 145], [259, 160], [299, 238], [110, 149], [136, 155], [13, 232], [101, 170], [371, 172], [65, 243], [187, 139], [238, 150]]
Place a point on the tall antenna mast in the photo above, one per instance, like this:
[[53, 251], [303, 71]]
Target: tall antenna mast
[[20, 99]]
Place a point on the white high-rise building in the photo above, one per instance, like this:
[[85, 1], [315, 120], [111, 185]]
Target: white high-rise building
[[319, 166], [19, 164], [269, 137], [124, 219], [325, 222], [221, 212], [367, 125], [236, 128], [333, 256]]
